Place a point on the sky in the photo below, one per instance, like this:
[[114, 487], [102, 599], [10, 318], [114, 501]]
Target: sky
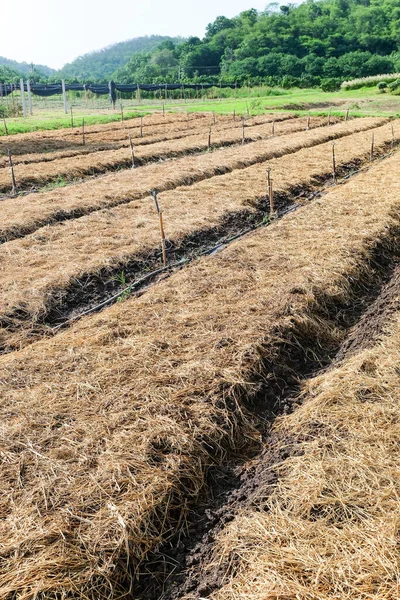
[[52, 32]]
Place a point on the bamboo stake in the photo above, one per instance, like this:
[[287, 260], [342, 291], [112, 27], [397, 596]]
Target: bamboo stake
[[308, 122], [270, 193], [72, 119], [164, 251], [6, 128], [273, 128], [243, 126], [334, 162], [132, 151], [347, 114], [214, 119], [372, 147], [329, 116], [234, 114], [122, 113], [83, 132], [209, 139], [163, 109], [162, 233], [14, 185]]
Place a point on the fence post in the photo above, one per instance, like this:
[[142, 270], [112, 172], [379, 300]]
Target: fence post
[[21, 85], [64, 93], [28, 87]]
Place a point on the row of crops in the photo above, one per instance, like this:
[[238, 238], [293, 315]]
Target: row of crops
[[112, 422]]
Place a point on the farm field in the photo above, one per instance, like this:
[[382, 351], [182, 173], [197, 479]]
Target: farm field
[[212, 427], [102, 161]]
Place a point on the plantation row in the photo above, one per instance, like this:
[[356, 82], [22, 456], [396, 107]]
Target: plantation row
[[328, 526], [110, 427], [100, 162], [27, 151], [32, 211], [38, 270]]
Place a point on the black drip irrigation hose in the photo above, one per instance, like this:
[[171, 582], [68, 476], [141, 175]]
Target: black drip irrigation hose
[[222, 244]]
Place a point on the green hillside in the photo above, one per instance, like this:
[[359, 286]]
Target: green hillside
[[24, 68], [100, 65]]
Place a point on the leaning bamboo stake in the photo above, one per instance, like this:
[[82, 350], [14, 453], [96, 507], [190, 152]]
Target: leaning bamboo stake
[[83, 132], [162, 233], [13, 183], [333, 162], [132, 151], [6, 128], [372, 146]]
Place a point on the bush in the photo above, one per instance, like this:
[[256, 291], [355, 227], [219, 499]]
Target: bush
[[330, 84], [382, 85], [394, 85]]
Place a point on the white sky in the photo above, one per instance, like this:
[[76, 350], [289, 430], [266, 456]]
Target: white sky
[[53, 32]]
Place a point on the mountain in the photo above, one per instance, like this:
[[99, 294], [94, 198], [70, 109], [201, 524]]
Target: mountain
[[24, 68], [101, 64]]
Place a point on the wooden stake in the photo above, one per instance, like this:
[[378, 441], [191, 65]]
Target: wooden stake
[[83, 132], [141, 127], [329, 116], [273, 128], [214, 120], [308, 122], [270, 193], [347, 114], [243, 126], [13, 183], [6, 128], [234, 114], [372, 147], [64, 94], [333, 162], [122, 113], [248, 111], [209, 139], [163, 109], [132, 151], [164, 252], [72, 119]]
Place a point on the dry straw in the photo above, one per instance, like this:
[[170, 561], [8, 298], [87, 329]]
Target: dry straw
[[329, 527], [34, 210], [81, 165], [36, 272], [108, 429]]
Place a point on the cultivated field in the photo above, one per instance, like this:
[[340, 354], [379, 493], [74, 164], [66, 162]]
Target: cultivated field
[[223, 426]]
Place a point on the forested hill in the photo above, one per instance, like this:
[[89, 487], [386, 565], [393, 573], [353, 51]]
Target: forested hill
[[315, 42], [23, 68], [101, 65]]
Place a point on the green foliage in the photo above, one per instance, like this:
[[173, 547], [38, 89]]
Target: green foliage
[[382, 85], [101, 65], [24, 69]]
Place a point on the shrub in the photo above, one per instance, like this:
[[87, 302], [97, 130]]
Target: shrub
[[330, 84], [382, 85]]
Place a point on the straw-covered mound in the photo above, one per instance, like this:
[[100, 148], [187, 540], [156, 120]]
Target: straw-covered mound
[[329, 527], [27, 213], [108, 428], [37, 271], [140, 135], [99, 162]]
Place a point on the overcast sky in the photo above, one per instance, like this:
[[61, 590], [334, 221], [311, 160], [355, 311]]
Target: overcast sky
[[53, 32]]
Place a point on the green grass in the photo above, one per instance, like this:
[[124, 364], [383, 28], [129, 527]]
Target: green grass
[[362, 102], [49, 121]]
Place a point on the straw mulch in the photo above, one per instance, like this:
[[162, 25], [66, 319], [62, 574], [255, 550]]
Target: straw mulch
[[36, 271], [329, 527], [99, 162], [112, 140], [108, 428], [25, 214]]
